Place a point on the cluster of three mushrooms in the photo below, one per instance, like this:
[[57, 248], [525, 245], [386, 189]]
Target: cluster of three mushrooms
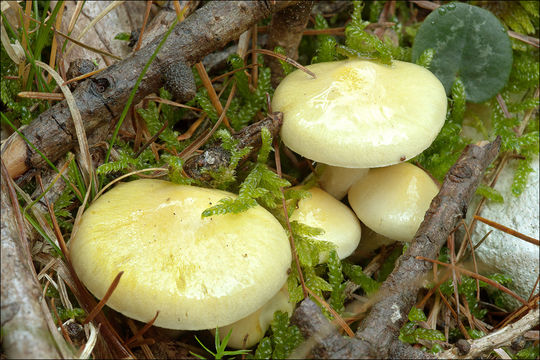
[[356, 115]]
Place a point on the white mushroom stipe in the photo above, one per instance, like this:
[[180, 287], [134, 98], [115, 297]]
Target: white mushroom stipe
[[199, 273], [337, 180]]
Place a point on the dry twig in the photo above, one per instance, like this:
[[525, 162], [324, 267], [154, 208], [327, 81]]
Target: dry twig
[[495, 339], [23, 319]]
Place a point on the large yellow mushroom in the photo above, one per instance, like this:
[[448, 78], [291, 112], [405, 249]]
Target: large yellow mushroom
[[199, 273], [360, 114]]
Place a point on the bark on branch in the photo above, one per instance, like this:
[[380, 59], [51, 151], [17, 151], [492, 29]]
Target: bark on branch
[[25, 334], [102, 98], [378, 333], [496, 339], [286, 30]]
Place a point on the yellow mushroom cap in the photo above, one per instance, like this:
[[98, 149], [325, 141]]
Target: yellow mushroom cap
[[337, 180], [341, 227], [198, 272], [360, 114], [393, 200]]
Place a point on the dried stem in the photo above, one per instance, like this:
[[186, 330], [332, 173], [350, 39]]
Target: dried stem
[[508, 230], [22, 313], [495, 339], [286, 30]]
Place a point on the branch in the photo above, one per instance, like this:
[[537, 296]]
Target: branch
[[495, 339], [386, 318], [25, 334], [377, 335], [101, 98], [286, 30]]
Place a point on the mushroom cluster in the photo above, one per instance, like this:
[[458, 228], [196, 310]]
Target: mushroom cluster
[[224, 271], [363, 120], [339, 226], [360, 118]]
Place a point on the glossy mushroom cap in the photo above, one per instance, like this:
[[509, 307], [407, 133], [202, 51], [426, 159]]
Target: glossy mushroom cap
[[360, 114], [393, 200], [340, 225], [199, 273]]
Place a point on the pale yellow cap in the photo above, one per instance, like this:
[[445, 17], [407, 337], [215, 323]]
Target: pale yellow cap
[[337, 180], [393, 200], [341, 226], [360, 114], [199, 273]]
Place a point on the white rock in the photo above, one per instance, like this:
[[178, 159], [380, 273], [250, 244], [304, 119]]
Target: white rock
[[502, 252]]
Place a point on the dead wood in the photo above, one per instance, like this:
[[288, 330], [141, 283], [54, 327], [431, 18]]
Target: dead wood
[[123, 18], [286, 30], [216, 156], [378, 333], [164, 18], [496, 339], [25, 333], [101, 98]]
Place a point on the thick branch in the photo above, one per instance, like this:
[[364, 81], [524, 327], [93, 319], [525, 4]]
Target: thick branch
[[378, 333], [102, 98], [25, 334]]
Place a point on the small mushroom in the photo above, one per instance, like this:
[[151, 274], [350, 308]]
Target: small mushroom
[[341, 226], [360, 114], [393, 200], [199, 273], [337, 180]]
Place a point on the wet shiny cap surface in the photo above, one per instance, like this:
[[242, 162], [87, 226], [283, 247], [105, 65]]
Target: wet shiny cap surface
[[393, 200], [359, 113], [198, 272]]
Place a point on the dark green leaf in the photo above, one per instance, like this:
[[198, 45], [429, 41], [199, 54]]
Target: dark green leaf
[[475, 334], [429, 334], [469, 42], [406, 333], [416, 314]]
